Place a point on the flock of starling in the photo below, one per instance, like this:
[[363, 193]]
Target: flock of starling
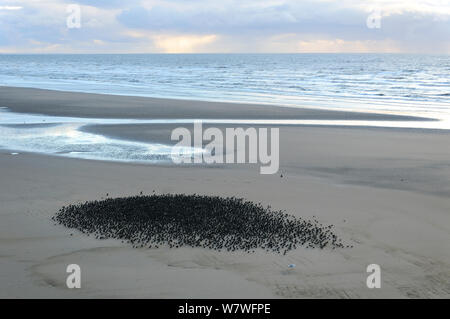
[[176, 220]]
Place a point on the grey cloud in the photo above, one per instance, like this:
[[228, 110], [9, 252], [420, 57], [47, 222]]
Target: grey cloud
[[324, 19], [248, 21]]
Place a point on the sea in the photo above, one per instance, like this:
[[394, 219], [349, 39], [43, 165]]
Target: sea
[[388, 83]]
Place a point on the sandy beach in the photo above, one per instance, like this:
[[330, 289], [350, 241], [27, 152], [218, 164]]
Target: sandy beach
[[386, 191]]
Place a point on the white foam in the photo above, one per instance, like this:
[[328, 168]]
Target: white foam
[[25, 133]]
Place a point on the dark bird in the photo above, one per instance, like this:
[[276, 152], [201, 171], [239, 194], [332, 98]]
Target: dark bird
[[212, 222]]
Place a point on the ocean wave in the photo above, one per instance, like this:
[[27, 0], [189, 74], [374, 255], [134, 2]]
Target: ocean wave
[[271, 78]]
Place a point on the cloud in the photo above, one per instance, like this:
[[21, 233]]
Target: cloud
[[228, 26], [410, 24]]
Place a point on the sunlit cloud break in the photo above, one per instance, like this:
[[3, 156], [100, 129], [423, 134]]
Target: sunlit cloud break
[[10, 8]]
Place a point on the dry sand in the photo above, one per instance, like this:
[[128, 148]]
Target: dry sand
[[386, 191]]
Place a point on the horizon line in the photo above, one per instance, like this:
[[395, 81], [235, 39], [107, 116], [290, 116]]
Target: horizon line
[[215, 53]]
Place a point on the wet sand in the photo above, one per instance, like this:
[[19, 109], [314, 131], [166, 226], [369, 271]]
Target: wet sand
[[59, 103], [386, 191]]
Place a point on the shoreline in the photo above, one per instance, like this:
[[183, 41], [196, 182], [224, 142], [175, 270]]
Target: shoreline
[[94, 105]]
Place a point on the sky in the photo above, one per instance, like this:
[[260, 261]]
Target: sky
[[224, 26]]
